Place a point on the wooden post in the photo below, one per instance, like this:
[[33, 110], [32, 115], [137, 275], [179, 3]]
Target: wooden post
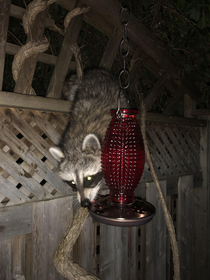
[[156, 236], [185, 227], [202, 213], [111, 50], [49, 221], [5, 259], [4, 21]]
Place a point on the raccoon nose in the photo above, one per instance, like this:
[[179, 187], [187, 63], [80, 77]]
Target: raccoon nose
[[85, 202]]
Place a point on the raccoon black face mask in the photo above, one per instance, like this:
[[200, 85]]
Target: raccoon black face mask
[[81, 169], [79, 150]]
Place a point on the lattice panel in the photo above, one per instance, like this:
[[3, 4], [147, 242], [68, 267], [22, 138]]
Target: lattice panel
[[174, 150], [27, 169]]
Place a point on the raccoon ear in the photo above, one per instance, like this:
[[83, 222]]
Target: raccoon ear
[[56, 153], [91, 143]]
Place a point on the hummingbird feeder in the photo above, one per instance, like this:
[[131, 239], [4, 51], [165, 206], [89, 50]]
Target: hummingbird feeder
[[122, 161]]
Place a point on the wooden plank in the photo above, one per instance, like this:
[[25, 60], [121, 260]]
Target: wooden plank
[[155, 91], [137, 62], [189, 106], [12, 49], [28, 256], [5, 260], [15, 220], [185, 235], [4, 21], [201, 112], [64, 58], [133, 253], [161, 118], [156, 236], [84, 247], [26, 73], [18, 257], [111, 50], [107, 258], [121, 249], [202, 213], [49, 222], [22, 101], [138, 33]]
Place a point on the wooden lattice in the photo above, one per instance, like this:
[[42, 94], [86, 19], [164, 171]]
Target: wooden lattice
[[174, 150], [27, 169]]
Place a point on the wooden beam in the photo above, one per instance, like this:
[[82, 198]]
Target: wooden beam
[[137, 62], [15, 220], [12, 49], [189, 106], [64, 58], [4, 21], [21, 101], [31, 102], [155, 91], [139, 34], [201, 112], [160, 118], [111, 50], [173, 103], [26, 73], [186, 221]]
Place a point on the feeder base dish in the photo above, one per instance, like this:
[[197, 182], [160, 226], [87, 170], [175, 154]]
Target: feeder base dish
[[137, 213]]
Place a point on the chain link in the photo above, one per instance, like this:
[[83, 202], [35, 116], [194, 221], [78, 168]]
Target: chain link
[[124, 76]]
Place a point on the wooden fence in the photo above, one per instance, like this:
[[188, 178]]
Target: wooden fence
[[30, 233], [36, 206]]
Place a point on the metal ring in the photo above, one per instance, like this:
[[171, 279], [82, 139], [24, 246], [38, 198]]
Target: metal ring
[[128, 77], [124, 23], [121, 47]]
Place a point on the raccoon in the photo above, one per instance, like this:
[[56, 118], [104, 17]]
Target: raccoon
[[79, 150]]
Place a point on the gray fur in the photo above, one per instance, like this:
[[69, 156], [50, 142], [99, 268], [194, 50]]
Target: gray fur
[[79, 150]]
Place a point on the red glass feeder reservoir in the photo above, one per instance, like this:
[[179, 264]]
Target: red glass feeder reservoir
[[122, 161]]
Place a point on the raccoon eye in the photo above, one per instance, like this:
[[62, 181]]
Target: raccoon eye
[[89, 178], [88, 182], [92, 181], [72, 184]]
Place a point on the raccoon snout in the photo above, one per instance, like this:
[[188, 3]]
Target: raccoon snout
[[85, 202]]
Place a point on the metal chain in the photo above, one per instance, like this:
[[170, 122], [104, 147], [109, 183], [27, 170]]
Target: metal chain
[[124, 76]]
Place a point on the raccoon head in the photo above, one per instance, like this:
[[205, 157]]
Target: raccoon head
[[80, 167]]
